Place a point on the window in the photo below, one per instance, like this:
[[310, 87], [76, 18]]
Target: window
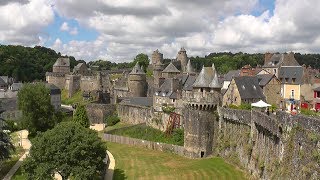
[[275, 71], [292, 94], [318, 94], [287, 79], [293, 80]]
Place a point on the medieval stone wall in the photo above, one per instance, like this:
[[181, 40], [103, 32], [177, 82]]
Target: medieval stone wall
[[58, 80], [134, 114], [98, 112], [89, 83]]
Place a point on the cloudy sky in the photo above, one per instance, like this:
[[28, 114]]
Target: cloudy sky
[[117, 30]]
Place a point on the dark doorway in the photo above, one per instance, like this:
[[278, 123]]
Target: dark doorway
[[202, 154]]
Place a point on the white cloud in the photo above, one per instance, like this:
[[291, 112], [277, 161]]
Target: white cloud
[[128, 27], [64, 27], [24, 23]]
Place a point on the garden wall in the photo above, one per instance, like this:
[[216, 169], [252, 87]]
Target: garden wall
[[146, 144]]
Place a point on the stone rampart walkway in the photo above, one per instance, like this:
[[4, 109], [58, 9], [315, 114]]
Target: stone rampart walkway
[[110, 170]]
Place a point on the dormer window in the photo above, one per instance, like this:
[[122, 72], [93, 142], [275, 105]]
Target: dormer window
[[243, 87], [293, 80], [254, 87], [287, 80]]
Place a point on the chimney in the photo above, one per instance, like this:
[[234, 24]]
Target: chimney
[[267, 57]]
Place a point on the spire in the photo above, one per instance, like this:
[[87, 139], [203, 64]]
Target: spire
[[137, 69], [215, 82], [189, 68], [204, 78]]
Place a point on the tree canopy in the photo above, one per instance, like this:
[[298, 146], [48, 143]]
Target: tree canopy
[[68, 149], [80, 116], [38, 113], [27, 64], [5, 141], [143, 61]]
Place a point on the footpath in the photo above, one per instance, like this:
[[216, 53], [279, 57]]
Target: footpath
[[26, 144]]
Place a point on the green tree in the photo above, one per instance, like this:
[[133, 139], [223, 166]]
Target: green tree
[[80, 116], [143, 61], [68, 149], [38, 113], [5, 141]]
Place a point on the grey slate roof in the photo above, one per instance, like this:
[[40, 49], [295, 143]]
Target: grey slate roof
[[5, 79], [187, 84], [2, 83], [215, 82], [53, 89], [204, 78], [171, 69], [137, 69], [141, 101], [189, 68], [317, 89], [249, 88], [287, 74], [284, 59], [231, 74], [264, 79], [16, 86], [9, 104], [62, 62]]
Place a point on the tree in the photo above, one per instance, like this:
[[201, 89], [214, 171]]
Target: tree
[[143, 61], [38, 113], [68, 149], [80, 116], [5, 141]]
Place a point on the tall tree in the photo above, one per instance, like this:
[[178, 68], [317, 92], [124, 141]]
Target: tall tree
[[38, 113], [143, 61], [68, 149], [80, 116], [5, 141]]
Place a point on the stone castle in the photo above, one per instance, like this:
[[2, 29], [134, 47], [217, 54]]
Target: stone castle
[[267, 146]]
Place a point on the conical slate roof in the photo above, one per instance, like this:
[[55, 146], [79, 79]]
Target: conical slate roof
[[215, 82], [171, 69], [189, 68], [137, 69], [204, 78]]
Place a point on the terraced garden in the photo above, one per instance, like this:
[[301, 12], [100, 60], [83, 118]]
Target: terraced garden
[[139, 163]]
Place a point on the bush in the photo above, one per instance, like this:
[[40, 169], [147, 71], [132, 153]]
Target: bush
[[112, 120], [178, 136], [308, 112], [232, 106], [13, 125], [245, 106], [168, 109]]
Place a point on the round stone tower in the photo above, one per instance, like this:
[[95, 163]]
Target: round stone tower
[[183, 58], [157, 66], [199, 114], [137, 83]]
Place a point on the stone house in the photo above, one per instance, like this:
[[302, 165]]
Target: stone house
[[245, 89], [228, 78], [81, 68], [271, 88], [10, 108]]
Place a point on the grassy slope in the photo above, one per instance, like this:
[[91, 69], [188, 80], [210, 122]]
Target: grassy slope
[[149, 134], [76, 98], [140, 163]]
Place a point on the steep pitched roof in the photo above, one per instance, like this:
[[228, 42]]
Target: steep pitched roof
[[249, 88], [53, 89], [204, 78], [264, 79], [231, 74], [171, 69], [187, 85], [215, 81], [189, 68], [291, 74], [137, 69], [62, 62], [284, 59]]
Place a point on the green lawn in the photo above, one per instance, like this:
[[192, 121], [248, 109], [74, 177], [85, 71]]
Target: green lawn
[[119, 125], [139, 163], [148, 133]]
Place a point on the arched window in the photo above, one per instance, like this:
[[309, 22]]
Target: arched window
[[292, 93]]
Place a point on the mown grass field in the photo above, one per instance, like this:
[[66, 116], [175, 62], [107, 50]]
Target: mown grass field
[[139, 163], [142, 131]]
